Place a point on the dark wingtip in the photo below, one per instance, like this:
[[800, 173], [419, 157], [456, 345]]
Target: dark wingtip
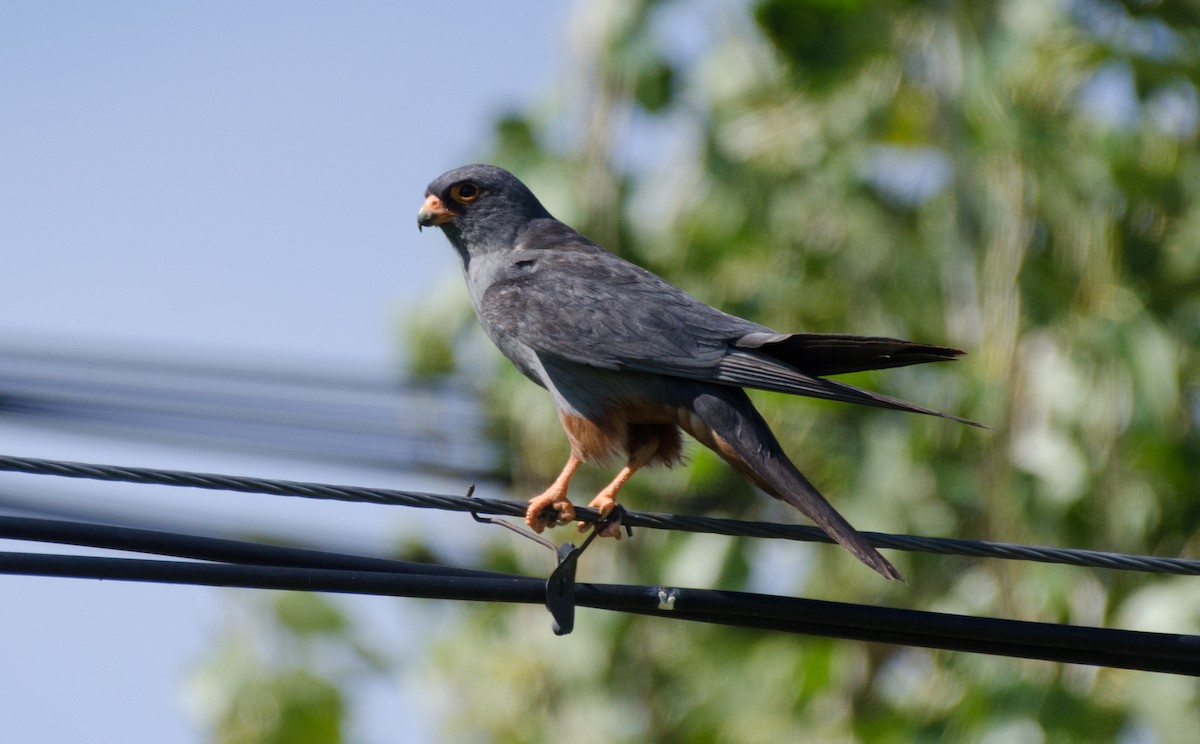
[[881, 565], [960, 419], [825, 354], [923, 354]]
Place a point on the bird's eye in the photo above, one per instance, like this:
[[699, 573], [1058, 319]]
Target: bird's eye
[[464, 193]]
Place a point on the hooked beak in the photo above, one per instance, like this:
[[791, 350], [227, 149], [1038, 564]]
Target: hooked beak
[[432, 212]]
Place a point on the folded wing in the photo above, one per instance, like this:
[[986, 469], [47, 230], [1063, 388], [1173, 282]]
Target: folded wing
[[586, 305]]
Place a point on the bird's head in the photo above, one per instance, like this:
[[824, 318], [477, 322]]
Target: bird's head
[[479, 208]]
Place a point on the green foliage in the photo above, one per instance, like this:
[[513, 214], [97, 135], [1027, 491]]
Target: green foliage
[[286, 707], [431, 333], [935, 171], [280, 672], [825, 38]]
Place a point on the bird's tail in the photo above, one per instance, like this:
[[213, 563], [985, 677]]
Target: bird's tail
[[824, 354], [726, 421]]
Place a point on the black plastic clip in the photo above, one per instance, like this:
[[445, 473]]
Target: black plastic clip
[[560, 587]]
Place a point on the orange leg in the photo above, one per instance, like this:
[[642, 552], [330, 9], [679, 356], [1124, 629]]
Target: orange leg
[[554, 498], [606, 500]]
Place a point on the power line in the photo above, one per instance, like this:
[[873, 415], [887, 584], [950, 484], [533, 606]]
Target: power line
[[205, 548], [710, 525], [233, 563], [288, 569], [364, 419]]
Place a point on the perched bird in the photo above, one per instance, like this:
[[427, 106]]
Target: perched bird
[[630, 360]]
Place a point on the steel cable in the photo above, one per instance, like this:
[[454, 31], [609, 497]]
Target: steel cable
[[711, 525]]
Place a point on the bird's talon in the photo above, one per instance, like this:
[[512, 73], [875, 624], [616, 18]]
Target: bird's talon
[[564, 512], [609, 529], [609, 524], [603, 504], [539, 516]]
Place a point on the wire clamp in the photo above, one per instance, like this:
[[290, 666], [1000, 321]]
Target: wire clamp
[[508, 525], [560, 587]]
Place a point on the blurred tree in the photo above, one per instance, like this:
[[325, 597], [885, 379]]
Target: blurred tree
[[281, 671], [1015, 178], [1019, 179]]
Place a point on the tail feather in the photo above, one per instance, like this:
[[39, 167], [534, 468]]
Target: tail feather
[[731, 426], [823, 354]]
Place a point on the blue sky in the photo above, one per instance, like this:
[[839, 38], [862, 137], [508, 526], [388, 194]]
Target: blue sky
[[234, 182], [242, 177]]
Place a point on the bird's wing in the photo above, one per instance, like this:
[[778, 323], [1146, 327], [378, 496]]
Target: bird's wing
[[749, 369], [580, 303], [726, 421]]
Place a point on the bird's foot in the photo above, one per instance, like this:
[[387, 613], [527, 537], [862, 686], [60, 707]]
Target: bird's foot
[[604, 503], [550, 509]]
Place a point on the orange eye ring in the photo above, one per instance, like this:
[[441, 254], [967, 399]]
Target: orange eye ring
[[465, 192]]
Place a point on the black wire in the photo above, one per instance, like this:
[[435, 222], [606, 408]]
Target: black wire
[[1156, 652], [207, 548], [730, 527], [368, 420], [210, 481], [314, 570]]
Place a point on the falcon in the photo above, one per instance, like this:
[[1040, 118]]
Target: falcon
[[631, 360]]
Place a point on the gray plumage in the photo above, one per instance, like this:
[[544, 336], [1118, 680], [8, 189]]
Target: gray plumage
[[620, 347]]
